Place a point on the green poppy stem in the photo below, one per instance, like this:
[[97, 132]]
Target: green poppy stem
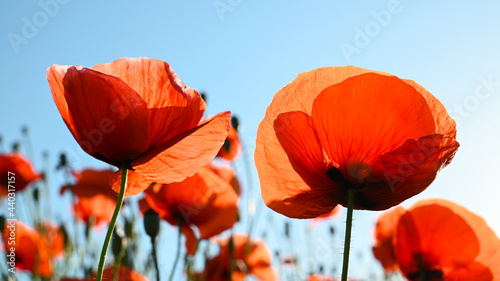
[[177, 255], [351, 193], [112, 224], [155, 258]]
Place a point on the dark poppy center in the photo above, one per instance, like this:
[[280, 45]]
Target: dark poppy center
[[427, 275]]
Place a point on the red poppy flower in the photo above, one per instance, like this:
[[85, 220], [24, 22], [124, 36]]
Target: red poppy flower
[[226, 173], [339, 128], [255, 260], [438, 240], [55, 237], [383, 233], [95, 201], [136, 113], [231, 149], [96, 210], [91, 182], [204, 200], [19, 168], [124, 274], [33, 251]]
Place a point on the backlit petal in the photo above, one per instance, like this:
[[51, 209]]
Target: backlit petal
[[136, 183], [173, 106], [299, 175], [108, 119], [185, 154]]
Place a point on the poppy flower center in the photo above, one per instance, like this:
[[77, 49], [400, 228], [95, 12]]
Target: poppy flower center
[[428, 275], [425, 272], [355, 177], [358, 171]]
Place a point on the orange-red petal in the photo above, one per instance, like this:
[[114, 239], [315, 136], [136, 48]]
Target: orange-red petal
[[173, 107], [368, 115], [99, 207], [231, 149], [108, 119], [384, 230], [91, 182], [186, 153], [32, 250], [431, 236], [16, 166], [297, 177], [136, 183]]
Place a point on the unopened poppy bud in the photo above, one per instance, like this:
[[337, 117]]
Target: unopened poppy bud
[[63, 162], [67, 242], [321, 269], [129, 229], [24, 130], [235, 122], [332, 230], [204, 96], [118, 242], [2, 224], [15, 147], [36, 194], [152, 223], [287, 230]]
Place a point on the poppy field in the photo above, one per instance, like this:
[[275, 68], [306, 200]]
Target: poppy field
[[209, 149]]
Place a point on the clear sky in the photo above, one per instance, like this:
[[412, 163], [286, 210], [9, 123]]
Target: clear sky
[[242, 52]]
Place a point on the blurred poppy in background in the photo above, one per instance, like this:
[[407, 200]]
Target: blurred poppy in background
[[242, 258], [383, 233], [336, 129], [205, 201], [94, 199], [124, 274], [34, 251], [231, 149], [19, 169], [135, 113], [439, 240]]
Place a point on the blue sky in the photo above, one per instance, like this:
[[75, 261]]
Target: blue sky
[[242, 52]]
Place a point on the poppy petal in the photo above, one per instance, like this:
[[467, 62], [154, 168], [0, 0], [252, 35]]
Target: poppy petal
[[19, 165], [451, 243], [356, 122], [385, 227], [220, 214], [265, 273], [184, 155], [444, 124], [490, 243], [297, 176], [172, 105], [91, 183], [191, 240], [136, 183], [408, 170], [473, 271], [108, 119]]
